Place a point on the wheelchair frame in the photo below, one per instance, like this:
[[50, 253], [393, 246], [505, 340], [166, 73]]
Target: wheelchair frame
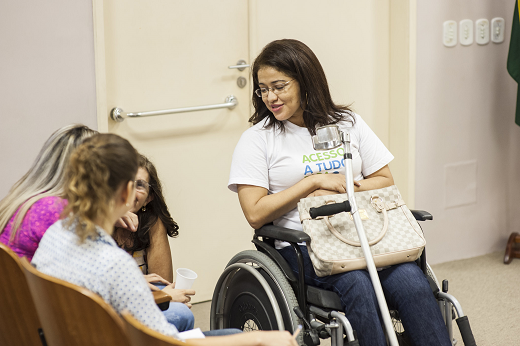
[[238, 301]]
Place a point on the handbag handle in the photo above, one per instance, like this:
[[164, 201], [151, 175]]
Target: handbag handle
[[379, 206]]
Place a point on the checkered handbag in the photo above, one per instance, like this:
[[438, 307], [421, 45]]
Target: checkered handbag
[[334, 245]]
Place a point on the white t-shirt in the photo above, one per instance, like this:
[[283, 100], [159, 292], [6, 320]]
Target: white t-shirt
[[277, 160]]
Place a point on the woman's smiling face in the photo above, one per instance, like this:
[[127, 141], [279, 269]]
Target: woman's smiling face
[[287, 104]]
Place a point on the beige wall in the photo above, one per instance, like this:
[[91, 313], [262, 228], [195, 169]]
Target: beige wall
[[467, 142], [47, 77]]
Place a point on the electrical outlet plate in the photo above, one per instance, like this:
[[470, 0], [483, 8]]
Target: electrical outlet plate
[[497, 29], [482, 31], [466, 32], [449, 33]]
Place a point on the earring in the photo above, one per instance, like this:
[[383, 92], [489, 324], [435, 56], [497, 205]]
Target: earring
[[143, 208], [127, 204]]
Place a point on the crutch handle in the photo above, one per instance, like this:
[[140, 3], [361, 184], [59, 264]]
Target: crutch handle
[[329, 209]]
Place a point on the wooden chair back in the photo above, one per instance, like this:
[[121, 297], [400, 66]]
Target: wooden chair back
[[141, 335], [19, 322], [72, 315]]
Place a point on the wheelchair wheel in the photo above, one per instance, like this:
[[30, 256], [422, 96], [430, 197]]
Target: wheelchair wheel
[[253, 294]]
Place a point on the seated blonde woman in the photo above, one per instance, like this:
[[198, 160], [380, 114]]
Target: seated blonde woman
[[36, 201]]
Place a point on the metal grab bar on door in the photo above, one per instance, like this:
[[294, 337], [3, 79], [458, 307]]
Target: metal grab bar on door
[[117, 114]]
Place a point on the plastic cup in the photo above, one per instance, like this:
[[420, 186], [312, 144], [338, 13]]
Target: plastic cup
[[185, 278]]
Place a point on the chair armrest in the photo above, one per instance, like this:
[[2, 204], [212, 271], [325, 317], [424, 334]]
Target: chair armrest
[[421, 215], [161, 297], [282, 233], [162, 300]]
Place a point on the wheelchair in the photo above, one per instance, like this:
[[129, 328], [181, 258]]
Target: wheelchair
[[259, 291]]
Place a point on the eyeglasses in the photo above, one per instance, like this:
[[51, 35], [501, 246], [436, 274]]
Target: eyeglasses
[[276, 89], [142, 186]]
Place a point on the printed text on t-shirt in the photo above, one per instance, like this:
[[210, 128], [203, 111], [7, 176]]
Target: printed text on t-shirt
[[328, 163]]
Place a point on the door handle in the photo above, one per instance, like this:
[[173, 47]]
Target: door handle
[[241, 65]]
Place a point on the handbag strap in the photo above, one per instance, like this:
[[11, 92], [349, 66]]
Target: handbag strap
[[356, 243], [381, 206]]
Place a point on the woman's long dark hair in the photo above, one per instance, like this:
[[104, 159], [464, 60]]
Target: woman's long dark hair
[[155, 209], [296, 60]]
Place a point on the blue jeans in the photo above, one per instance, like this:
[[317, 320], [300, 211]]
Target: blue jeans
[[178, 314], [406, 289]]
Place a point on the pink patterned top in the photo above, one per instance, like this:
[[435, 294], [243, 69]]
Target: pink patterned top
[[40, 216]]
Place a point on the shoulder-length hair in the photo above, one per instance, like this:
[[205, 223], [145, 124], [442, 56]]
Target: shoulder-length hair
[[155, 210], [46, 177], [296, 60]]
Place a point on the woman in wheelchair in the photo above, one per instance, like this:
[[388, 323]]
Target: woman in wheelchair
[[100, 189], [274, 166]]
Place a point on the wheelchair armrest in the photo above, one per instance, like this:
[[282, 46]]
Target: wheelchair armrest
[[282, 233], [421, 215]]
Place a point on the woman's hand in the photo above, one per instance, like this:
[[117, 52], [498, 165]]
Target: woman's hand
[[128, 221], [179, 295], [156, 278], [330, 182], [322, 192]]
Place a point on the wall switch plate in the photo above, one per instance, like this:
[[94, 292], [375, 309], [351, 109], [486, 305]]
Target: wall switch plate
[[466, 32], [497, 29], [482, 31], [449, 33]]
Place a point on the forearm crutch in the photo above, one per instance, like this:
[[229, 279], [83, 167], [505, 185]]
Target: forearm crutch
[[330, 137]]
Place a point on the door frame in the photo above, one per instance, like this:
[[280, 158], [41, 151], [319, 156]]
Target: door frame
[[99, 64], [402, 95]]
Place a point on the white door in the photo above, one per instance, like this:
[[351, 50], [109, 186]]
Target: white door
[[166, 54]]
